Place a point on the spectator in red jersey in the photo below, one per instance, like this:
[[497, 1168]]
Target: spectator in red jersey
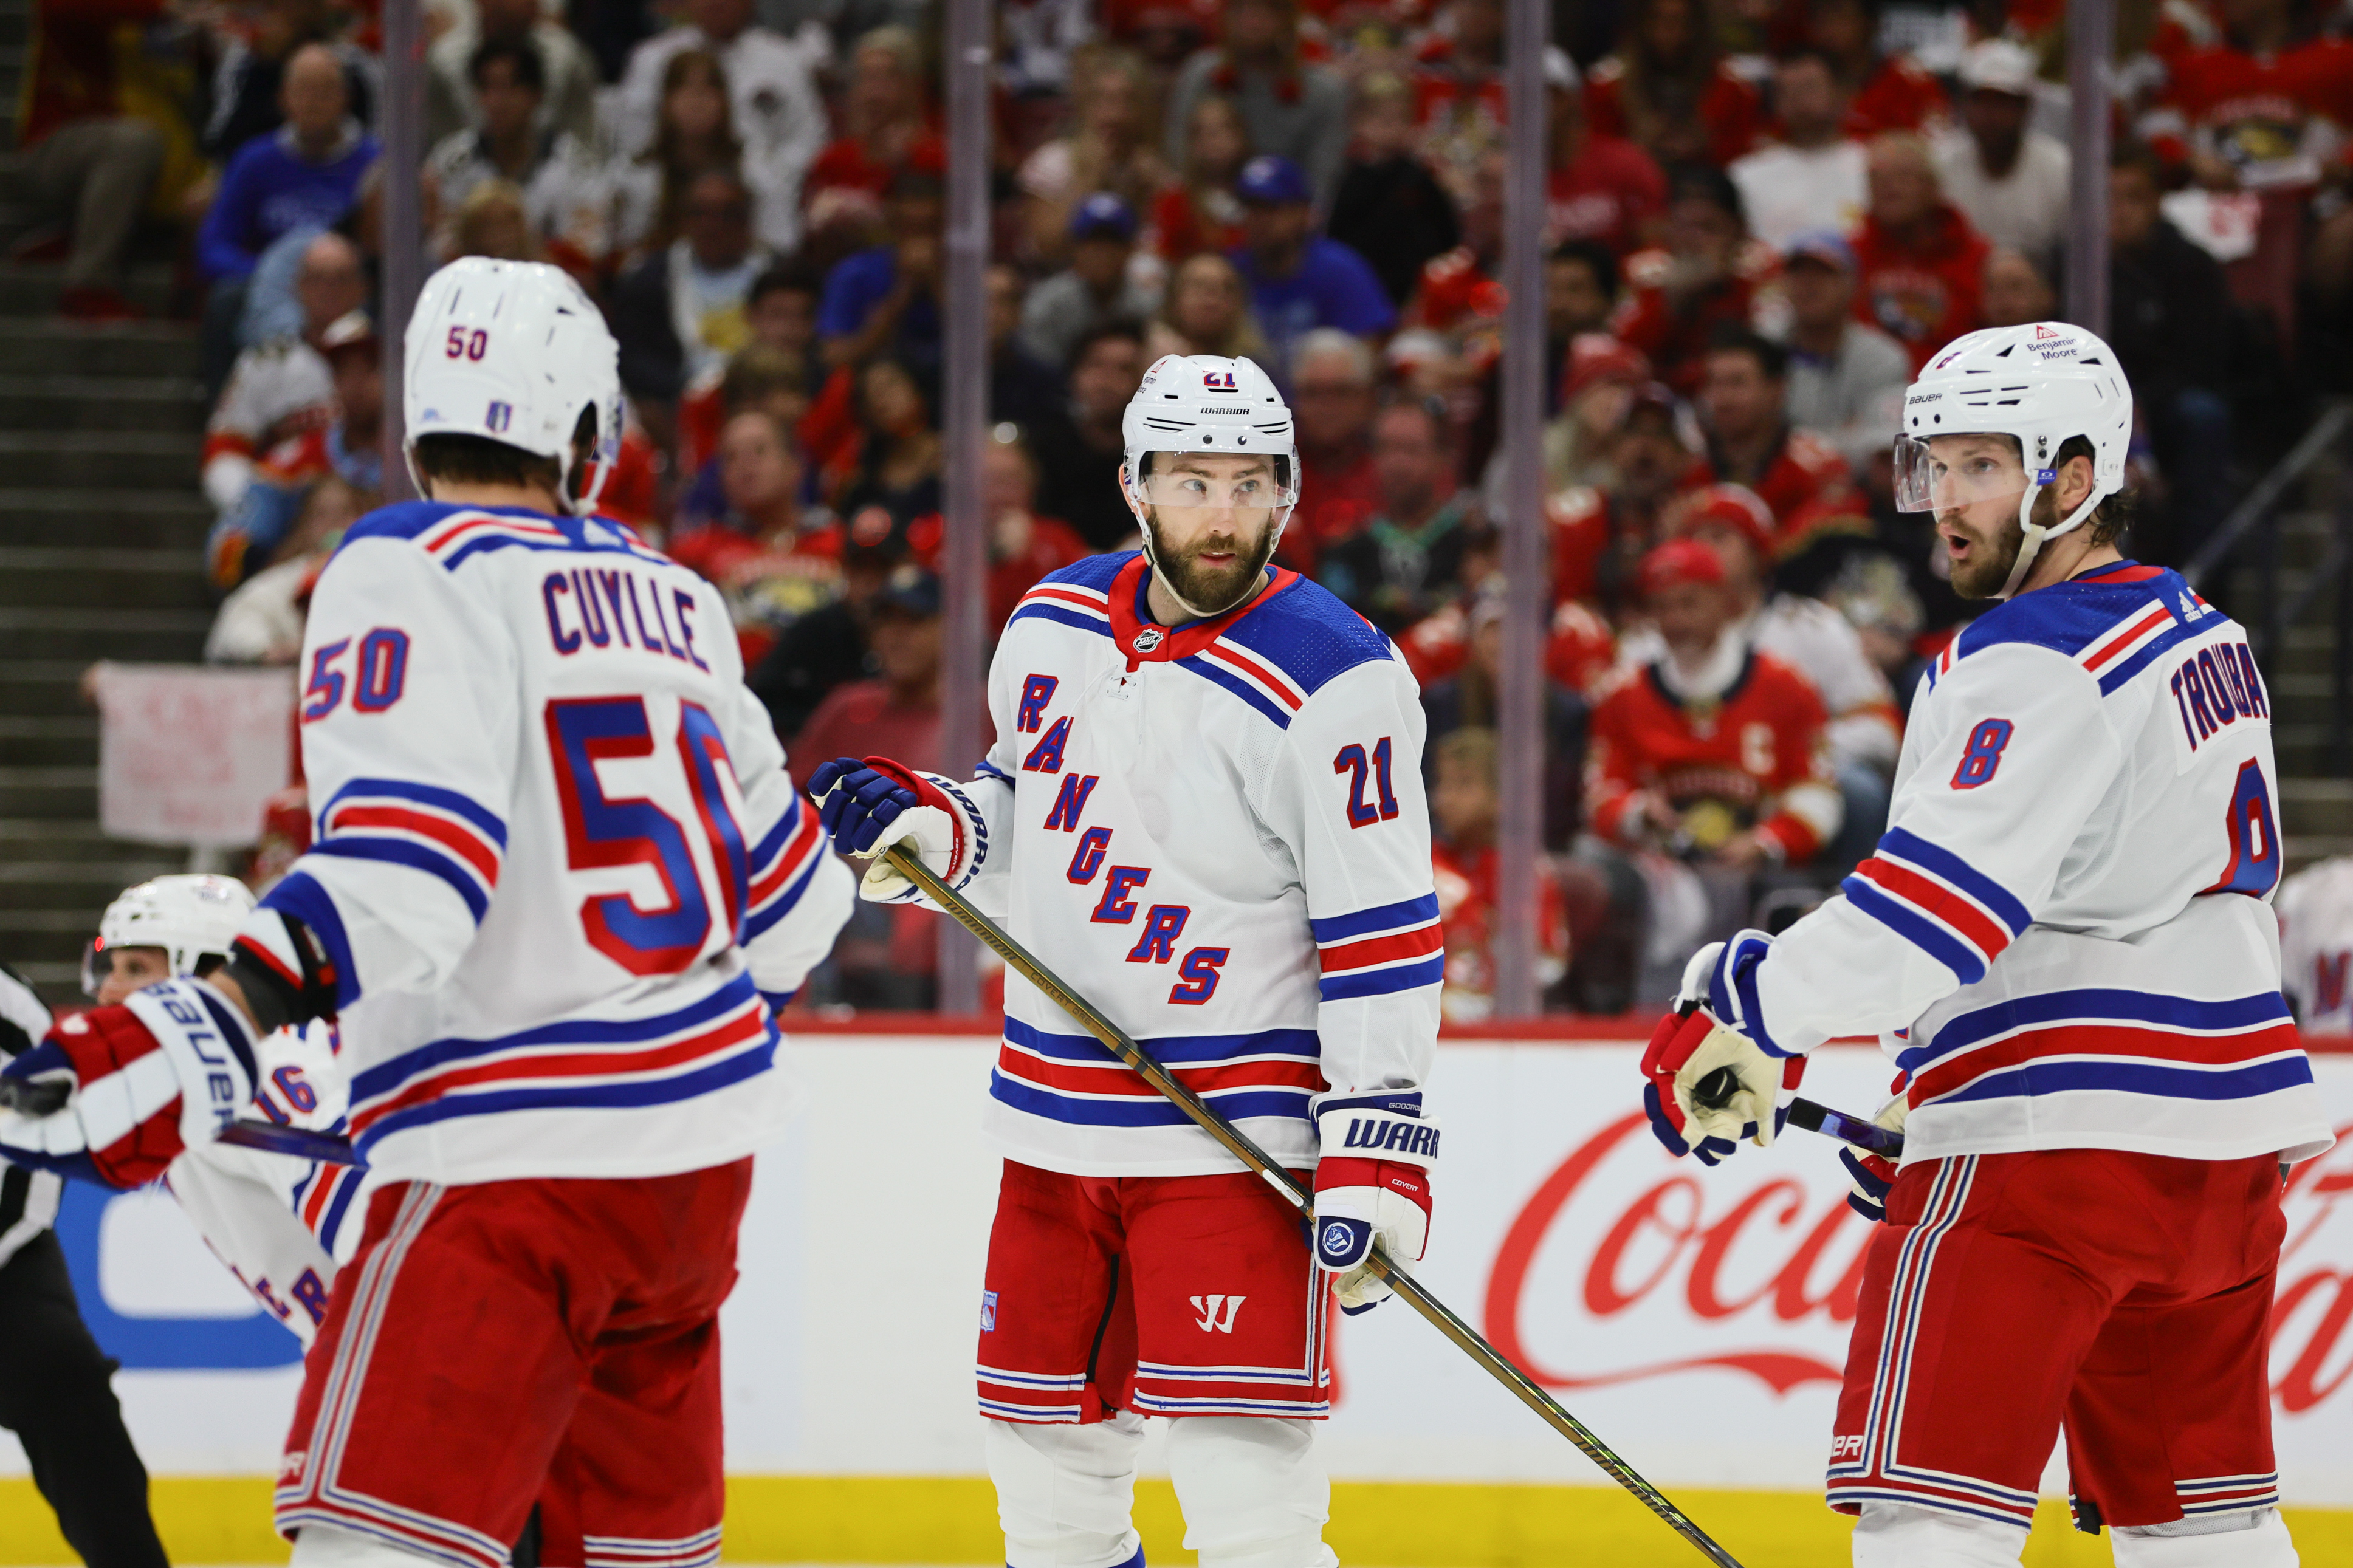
[[1603, 188], [1744, 409], [1703, 281], [1599, 535], [761, 376], [282, 386], [1921, 264], [1458, 89], [1332, 380], [1294, 108], [1407, 559], [83, 155], [1391, 209], [1200, 211], [887, 130], [772, 562], [886, 957], [1888, 92], [1711, 751], [1465, 809], [1667, 89], [1812, 177], [1112, 145], [1023, 547]]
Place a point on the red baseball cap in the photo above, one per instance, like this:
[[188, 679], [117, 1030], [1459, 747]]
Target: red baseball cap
[[1677, 562], [1596, 357], [1736, 507]]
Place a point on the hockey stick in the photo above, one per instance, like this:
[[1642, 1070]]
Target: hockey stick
[[297, 1141], [1238, 1144], [1714, 1092]]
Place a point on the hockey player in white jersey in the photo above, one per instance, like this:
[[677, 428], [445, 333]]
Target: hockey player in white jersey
[[2063, 941], [1204, 808], [280, 1224], [559, 875]]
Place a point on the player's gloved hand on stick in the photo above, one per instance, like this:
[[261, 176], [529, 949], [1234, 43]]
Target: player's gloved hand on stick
[[1371, 1184], [1870, 1175], [114, 1094], [1709, 1034], [867, 807]]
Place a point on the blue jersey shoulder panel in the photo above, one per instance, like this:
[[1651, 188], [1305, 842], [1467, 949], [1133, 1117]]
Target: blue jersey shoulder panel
[[1095, 571], [2068, 617], [401, 519], [1310, 635]]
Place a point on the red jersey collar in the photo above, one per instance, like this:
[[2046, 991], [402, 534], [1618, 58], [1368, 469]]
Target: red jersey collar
[[1142, 638]]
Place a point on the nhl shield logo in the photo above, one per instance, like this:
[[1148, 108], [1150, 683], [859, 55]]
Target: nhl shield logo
[[1150, 637]]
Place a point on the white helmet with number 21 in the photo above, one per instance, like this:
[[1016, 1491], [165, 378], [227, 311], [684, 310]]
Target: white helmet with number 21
[[512, 352], [2040, 383], [1208, 404]]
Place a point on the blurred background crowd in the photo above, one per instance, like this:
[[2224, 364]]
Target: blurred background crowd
[[1763, 216]]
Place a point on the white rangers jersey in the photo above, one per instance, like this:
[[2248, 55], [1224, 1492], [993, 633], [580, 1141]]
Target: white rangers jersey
[[283, 1225], [2064, 937], [557, 863], [1216, 833], [2316, 916]]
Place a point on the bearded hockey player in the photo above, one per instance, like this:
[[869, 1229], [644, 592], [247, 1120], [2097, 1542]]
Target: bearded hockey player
[[559, 875], [2064, 940], [1204, 807]]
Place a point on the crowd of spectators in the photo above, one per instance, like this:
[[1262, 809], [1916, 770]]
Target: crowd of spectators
[[1761, 218]]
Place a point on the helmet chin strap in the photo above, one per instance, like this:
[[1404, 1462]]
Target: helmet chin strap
[[2036, 534]]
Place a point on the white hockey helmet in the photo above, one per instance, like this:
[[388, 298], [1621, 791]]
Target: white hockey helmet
[[512, 352], [189, 917], [1205, 402], [2041, 382]]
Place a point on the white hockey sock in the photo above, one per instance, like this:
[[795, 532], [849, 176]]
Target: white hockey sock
[[2256, 1538], [1064, 1494], [324, 1546], [1253, 1492], [1899, 1535]]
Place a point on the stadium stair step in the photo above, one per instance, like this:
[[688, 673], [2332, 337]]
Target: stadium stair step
[[101, 558]]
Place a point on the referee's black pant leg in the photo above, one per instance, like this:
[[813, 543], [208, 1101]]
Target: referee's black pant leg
[[56, 1394]]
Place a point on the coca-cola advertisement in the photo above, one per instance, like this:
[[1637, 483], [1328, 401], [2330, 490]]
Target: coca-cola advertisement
[[1700, 1317]]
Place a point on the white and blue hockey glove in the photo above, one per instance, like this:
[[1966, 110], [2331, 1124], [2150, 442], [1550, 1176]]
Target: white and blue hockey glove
[[868, 807], [1710, 1039], [114, 1094], [1372, 1182]]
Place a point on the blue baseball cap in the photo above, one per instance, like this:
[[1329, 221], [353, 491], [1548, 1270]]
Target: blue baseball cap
[[1270, 181], [1822, 244], [1103, 214]]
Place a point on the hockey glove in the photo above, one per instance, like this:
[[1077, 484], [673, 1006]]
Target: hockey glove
[[869, 807], [1873, 1175], [116, 1093], [1372, 1182], [1708, 1033]]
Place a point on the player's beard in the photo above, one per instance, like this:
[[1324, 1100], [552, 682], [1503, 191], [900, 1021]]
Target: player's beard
[[1214, 590], [1990, 561]]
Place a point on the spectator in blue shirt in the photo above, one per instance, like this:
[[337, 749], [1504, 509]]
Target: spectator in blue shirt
[[888, 298], [305, 175], [1299, 279]]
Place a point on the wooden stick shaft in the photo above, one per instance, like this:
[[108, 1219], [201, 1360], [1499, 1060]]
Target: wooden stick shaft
[[1238, 1144]]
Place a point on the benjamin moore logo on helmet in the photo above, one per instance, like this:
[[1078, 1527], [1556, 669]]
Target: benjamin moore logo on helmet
[[1219, 380]]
